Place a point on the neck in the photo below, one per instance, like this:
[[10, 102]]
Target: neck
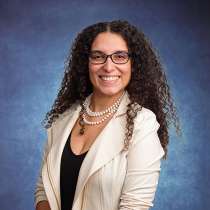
[[100, 102]]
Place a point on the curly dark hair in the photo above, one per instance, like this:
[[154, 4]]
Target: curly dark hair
[[148, 86]]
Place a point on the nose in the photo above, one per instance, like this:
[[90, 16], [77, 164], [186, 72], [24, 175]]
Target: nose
[[108, 65]]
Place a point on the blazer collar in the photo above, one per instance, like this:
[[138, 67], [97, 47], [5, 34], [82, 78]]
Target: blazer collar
[[108, 144], [123, 106]]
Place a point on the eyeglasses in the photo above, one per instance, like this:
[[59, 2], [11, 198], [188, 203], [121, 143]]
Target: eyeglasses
[[119, 57]]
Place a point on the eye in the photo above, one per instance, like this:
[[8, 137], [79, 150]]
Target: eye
[[121, 55], [97, 55]]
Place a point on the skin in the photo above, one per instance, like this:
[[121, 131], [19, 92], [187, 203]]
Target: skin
[[43, 205], [105, 93]]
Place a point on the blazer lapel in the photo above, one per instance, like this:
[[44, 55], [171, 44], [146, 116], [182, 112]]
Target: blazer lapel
[[108, 144], [60, 133]]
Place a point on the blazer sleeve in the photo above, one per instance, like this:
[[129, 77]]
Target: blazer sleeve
[[143, 164], [39, 193]]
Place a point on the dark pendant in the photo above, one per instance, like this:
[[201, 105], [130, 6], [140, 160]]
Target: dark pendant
[[81, 123], [82, 131]]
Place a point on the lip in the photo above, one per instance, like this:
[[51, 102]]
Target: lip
[[109, 82], [109, 76]]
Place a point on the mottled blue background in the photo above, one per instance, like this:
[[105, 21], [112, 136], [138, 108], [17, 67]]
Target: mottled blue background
[[35, 37]]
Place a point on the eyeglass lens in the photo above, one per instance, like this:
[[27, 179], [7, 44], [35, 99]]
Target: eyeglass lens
[[117, 57]]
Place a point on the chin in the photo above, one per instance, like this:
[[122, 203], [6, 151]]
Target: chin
[[110, 92]]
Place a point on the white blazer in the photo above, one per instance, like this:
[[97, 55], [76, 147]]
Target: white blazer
[[109, 178]]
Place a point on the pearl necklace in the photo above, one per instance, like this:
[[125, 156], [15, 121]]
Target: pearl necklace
[[107, 112], [101, 113]]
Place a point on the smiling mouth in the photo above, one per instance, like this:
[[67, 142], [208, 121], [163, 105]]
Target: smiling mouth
[[109, 78]]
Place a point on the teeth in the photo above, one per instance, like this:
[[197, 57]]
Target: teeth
[[109, 77]]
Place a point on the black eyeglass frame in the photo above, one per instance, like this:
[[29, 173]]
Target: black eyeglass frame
[[110, 55]]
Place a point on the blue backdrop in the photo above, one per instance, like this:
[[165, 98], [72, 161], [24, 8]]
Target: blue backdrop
[[35, 37]]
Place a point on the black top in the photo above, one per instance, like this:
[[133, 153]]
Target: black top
[[70, 166]]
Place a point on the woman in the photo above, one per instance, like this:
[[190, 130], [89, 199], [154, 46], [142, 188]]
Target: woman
[[108, 128]]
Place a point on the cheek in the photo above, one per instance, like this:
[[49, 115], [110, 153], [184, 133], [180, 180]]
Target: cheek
[[127, 73], [92, 69], [92, 73]]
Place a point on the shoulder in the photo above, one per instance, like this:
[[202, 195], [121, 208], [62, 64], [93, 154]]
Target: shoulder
[[145, 123], [145, 114], [63, 117], [69, 111], [145, 139]]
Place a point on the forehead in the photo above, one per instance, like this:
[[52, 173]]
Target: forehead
[[109, 42]]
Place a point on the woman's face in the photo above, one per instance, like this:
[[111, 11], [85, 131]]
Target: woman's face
[[109, 78]]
